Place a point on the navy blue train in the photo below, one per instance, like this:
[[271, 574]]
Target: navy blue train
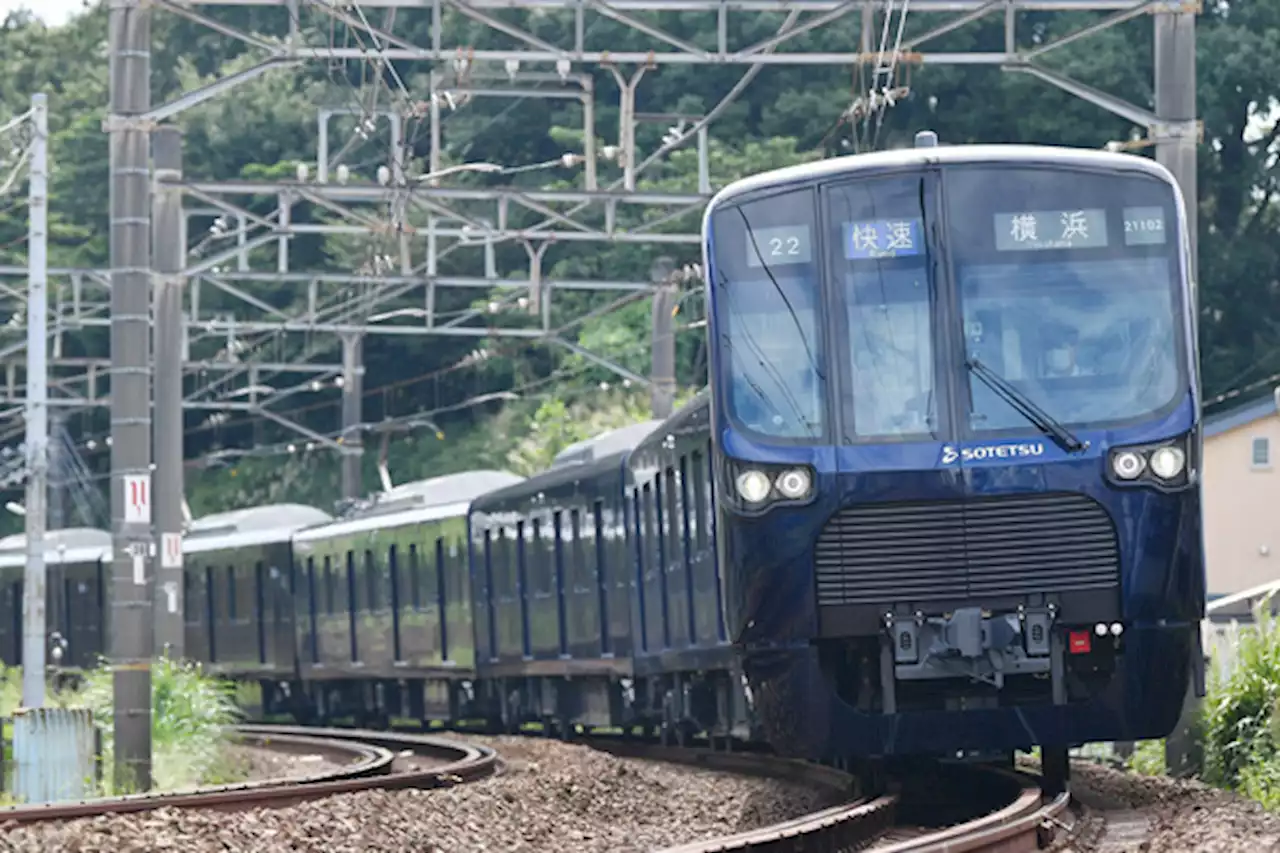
[[941, 495], [957, 431]]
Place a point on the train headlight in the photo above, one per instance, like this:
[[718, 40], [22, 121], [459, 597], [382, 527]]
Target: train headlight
[[1168, 462], [1128, 465], [794, 484], [753, 486]]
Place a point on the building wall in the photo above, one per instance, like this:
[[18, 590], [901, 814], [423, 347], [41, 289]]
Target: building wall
[[1242, 507]]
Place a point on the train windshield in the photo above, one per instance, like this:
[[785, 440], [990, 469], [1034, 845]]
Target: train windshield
[[1068, 290], [767, 293], [883, 292]]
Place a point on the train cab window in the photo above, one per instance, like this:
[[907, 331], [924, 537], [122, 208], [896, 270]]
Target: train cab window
[[767, 298], [1262, 452], [415, 577]]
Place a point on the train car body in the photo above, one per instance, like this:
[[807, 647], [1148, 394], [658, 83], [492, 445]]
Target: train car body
[[238, 591], [78, 572], [957, 446], [680, 648], [553, 589], [384, 602]]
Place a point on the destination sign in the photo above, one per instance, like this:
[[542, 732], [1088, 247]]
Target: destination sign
[[775, 246], [1051, 229], [885, 238], [1144, 226]]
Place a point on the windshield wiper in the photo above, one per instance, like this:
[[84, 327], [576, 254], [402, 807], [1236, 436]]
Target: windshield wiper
[[1042, 420]]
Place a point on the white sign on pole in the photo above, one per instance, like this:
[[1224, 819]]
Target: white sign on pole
[[137, 499], [171, 550], [171, 595], [139, 568]]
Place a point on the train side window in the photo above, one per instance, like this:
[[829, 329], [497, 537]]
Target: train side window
[[210, 608], [577, 563], [371, 579], [597, 513], [538, 557], [441, 570], [644, 525], [259, 606], [674, 510], [393, 569], [351, 603], [313, 605], [522, 584], [330, 588], [490, 596], [415, 577], [697, 518], [231, 593], [557, 522], [686, 514]]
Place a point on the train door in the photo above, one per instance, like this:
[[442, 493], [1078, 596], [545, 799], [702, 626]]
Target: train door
[[891, 543]]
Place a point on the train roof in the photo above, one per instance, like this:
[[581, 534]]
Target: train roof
[[69, 545], [577, 461], [941, 154], [606, 444], [411, 503], [258, 525]]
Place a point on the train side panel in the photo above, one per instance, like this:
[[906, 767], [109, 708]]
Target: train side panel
[[691, 673]]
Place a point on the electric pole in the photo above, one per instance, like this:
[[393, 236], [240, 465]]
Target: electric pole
[[169, 256], [37, 407], [662, 370], [129, 45]]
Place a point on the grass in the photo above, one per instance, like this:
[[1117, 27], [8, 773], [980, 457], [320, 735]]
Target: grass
[[1241, 722], [190, 711]]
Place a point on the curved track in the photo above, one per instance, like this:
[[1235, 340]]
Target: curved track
[[372, 757], [1025, 819]]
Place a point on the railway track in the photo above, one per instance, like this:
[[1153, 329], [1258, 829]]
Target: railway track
[[1000, 810], [386, 760]]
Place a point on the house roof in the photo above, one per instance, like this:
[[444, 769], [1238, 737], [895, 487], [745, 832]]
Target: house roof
[[1238, 416]]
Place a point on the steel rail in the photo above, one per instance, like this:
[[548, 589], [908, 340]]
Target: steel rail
[[373, 756]]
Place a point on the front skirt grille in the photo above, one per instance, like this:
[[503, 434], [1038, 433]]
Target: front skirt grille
[[977, 549]]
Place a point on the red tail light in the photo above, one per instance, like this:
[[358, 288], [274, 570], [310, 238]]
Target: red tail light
[[1079, 642]]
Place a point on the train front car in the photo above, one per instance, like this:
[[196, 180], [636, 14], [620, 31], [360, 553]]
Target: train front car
[[956, 421]]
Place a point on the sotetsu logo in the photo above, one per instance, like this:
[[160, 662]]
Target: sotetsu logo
[[987, 452]]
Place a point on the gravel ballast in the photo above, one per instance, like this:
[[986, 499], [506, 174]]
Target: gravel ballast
[[1127, 812], [552, 796], [256, 763]]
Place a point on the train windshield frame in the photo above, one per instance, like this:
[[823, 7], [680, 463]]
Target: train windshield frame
[[921, 271], [768, 292], [1069, 285]]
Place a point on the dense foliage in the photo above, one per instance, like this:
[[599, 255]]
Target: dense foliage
[[786, 115], [190, 713], [1241, 723]]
